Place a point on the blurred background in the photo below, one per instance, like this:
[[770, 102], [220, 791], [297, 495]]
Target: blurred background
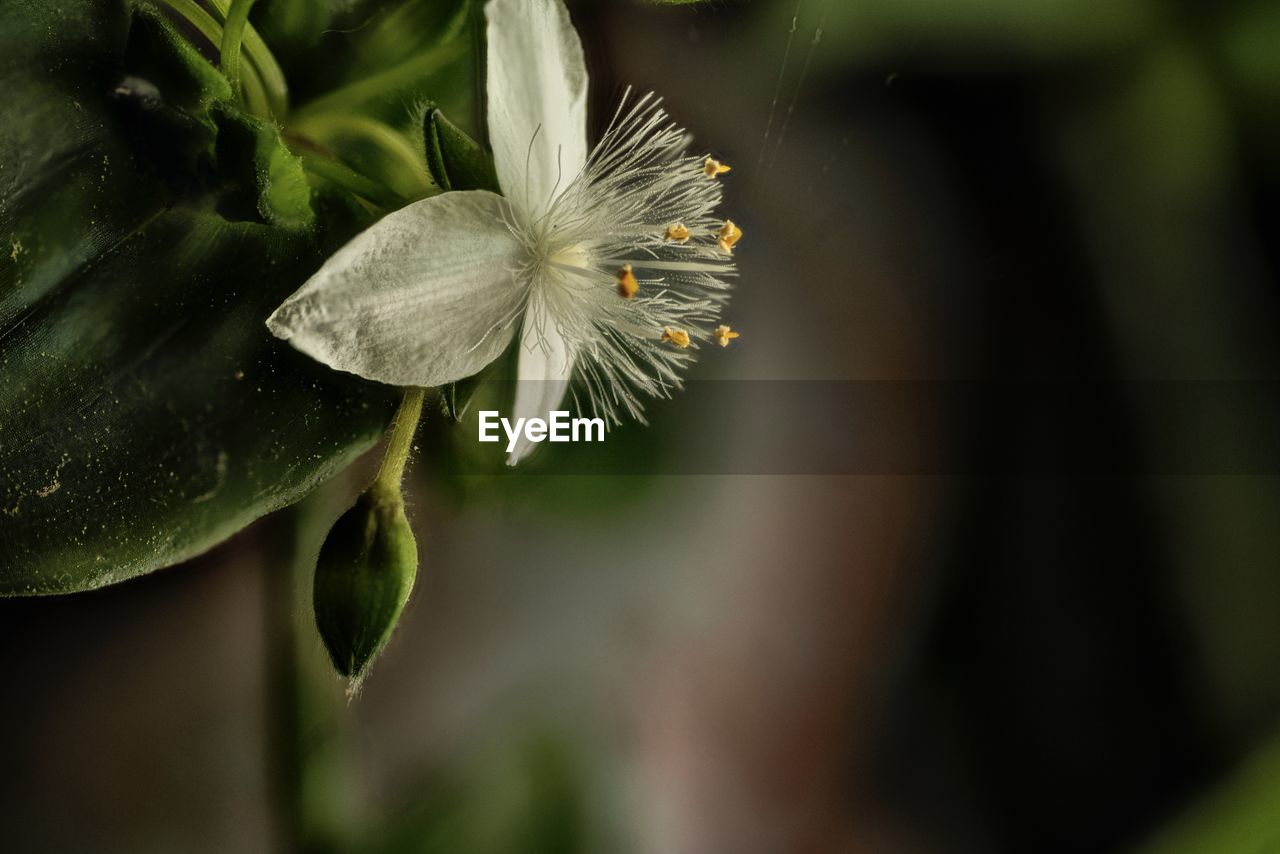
[[1012, 653]]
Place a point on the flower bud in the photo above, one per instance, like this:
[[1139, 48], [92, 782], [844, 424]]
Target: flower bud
[[365, 572], [455, 160]]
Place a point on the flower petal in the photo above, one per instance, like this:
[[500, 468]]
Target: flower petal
[[544, 367], [537, 84], [424, 297]]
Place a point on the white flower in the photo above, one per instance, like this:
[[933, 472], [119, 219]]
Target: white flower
[[610, 263]]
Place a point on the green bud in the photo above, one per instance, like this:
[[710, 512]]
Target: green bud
[[365, 572], [456, 161]]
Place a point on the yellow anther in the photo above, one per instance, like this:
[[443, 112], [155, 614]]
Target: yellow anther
[[627, 284], [678, 337], [730, 234], [678, 233], [714, 168], [724, 335]]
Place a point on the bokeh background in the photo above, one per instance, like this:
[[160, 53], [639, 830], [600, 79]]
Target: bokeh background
[[1064, 647]]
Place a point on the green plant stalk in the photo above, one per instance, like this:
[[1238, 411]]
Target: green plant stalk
[[232, 36], [352, 181], [283, 653], [255, 97], [262, 84], [198, 18], [273, 79], [391, 472], [310, 768], [325, 126], [255, 92]]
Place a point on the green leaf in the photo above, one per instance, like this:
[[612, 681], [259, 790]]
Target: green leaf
[[399, 31], [145, 412], [146, 416], [378, 58], [355, 37]]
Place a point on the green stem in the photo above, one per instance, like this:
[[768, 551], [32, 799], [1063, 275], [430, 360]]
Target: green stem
[[324, 127], [282, 583], [255, 96], [391, 472], [198, 18], [232, 35], [258, 99], [273, 79], [352, 181], [272, 75]]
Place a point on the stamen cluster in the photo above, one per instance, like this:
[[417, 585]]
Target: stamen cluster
[[630, 262]]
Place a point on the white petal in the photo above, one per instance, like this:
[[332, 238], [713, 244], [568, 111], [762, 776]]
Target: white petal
[[424, 297], [544, 367], [537, 85]]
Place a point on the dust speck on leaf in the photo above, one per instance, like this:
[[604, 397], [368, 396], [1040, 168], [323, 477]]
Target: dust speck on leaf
[[220, 470]]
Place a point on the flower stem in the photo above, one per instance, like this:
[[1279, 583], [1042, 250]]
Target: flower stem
[[391, 472], [232, 35]]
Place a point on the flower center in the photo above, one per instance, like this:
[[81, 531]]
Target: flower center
[[569, 256]]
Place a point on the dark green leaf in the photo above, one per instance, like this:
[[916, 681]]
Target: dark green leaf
[[145, 412], [144, 416], [375, 58]]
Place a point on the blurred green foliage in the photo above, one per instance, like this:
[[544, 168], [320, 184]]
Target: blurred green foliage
[[1240, 818], [1102, 648]]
